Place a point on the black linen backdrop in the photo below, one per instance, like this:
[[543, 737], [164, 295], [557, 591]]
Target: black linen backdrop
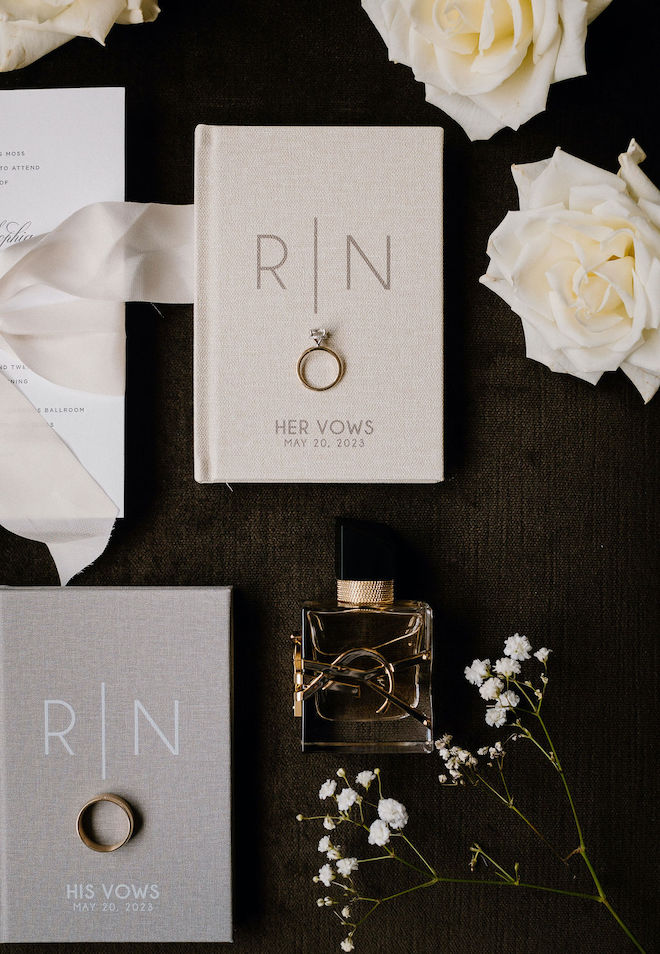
[[547, 523]]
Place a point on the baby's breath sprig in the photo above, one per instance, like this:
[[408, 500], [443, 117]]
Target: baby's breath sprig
[[512, 700], [516, 701]]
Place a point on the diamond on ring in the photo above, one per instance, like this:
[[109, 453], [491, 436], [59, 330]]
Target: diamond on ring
[[319, 335]]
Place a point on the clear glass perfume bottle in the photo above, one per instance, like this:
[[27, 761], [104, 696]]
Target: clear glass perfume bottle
[[362, 667]]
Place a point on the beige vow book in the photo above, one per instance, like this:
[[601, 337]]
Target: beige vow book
[[125, 690], [299, 228]]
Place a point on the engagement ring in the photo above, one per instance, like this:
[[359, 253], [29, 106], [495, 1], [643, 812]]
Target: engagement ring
[[320, 335]]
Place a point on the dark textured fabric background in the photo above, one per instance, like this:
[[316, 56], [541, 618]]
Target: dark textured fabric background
[[547, 523]]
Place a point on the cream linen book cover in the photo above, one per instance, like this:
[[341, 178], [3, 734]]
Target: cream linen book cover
[[303, 227], [128, 691]]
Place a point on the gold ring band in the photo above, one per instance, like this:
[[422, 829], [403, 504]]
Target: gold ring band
[[116, 800], [301, 368]]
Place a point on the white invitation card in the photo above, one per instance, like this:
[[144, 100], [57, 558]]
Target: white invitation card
[[61, 149]]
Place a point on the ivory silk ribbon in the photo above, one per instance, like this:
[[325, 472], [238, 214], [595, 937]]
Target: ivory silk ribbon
[[58, 315]]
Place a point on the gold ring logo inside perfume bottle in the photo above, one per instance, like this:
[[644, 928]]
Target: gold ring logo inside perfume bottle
[[83, 817], [382, 668], [320, 335]]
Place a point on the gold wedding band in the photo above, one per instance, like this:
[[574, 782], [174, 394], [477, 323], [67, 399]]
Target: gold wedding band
[[116, 800], [319, 335]]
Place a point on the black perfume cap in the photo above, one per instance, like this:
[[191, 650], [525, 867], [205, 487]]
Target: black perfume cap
[[364, 551]]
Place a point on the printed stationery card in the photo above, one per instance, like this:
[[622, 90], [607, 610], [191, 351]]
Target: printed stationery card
[[300, 228], [61, 149], [126, 691]]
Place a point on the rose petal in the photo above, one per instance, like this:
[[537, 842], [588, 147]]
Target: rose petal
[[596, 7], [29, 30], [139, 11], [537, 349], [639, 185], [91, 18], [546, 25], [525, 93], [401, 36], [562, 173], [374, 10], [477, 122], [20, 46], [646, 382], [570, 58]]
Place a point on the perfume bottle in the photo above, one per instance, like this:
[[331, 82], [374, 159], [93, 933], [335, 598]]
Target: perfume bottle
[[362, 665]]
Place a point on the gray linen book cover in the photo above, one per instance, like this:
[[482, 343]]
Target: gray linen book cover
[[123, 690], [301, 227]]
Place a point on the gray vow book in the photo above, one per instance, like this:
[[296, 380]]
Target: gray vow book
[[126, 691], [333, 230]]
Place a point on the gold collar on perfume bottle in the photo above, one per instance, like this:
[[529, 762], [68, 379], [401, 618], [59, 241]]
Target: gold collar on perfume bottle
[[360, 592]]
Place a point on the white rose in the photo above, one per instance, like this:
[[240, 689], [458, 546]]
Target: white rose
[[487, 63], [580, 264], [31, 28]]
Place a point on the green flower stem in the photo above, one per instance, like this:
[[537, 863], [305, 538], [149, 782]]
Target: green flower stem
[[376, 902], [582, 849], [526, 734], [419, 855], [565, 784], [415, 887], [506, 787], [392, 854], [380, 784], [407, 863], [545, 686], [623, 927], [524, 692], [509, 804], [344, 887], [478, 850]]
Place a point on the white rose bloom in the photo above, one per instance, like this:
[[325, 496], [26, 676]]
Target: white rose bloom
[[31, 28], [580, 264], [392, 812], [487, 63], [379, 833]]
